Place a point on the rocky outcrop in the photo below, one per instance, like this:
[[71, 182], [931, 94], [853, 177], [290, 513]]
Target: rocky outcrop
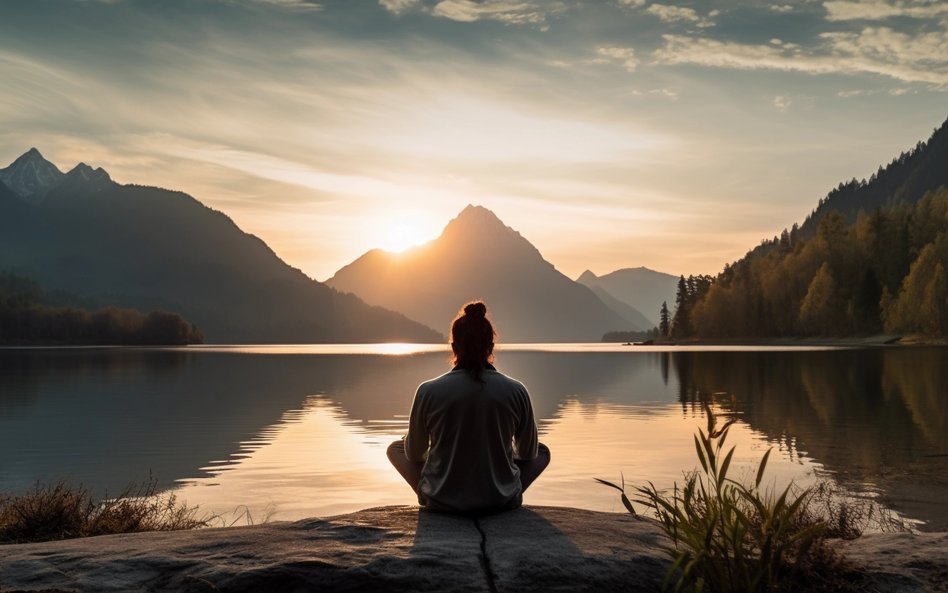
[[401, 549], [385, 549], [899, 562]]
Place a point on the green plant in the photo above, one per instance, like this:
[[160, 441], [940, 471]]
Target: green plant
[[727, 536]]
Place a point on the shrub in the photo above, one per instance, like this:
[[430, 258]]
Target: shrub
[[730, 537], [60, 511]]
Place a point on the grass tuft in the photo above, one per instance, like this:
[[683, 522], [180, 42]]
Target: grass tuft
[[62, 511], [728, 536]]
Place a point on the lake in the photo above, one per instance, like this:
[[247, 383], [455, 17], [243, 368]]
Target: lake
[[285, 432]]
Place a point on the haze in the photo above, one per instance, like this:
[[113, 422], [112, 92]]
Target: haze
[[609, 133]]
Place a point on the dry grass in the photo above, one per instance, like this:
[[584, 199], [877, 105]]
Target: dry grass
[[61, 511]]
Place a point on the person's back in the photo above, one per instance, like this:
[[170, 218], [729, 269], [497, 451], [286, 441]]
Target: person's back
[[472, 424], [472, 442]]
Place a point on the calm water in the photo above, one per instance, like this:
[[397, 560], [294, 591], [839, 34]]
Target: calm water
[[298, 431]]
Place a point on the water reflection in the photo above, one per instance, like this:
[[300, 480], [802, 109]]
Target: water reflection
[[875, 418], [300, 433]]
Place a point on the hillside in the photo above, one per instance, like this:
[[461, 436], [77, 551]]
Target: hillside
[[28, 318], [903, 181], [871, 258], [477, 256], [150, 248]]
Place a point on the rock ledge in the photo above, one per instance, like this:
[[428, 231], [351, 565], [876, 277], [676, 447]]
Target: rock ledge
[[404, 549]]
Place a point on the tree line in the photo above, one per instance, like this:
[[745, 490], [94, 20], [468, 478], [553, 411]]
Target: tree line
[[885, 272], [25, 318]]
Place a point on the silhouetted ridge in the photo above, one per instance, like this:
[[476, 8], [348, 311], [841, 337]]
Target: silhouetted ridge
[[871, 258], [30, 174], [150, 248], [904, 180], [478, 256], [586, 277], [641, 288]]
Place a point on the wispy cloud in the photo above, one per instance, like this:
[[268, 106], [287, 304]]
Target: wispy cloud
[[921, 58], [782, 103], [877, 10], [622, 55], [511, 12], [399, 7], [295, 5], [673, 14]]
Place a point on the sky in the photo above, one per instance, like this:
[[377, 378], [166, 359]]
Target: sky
[[609, 133]]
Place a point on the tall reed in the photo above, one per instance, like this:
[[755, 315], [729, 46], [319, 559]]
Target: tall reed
[[727, 536]]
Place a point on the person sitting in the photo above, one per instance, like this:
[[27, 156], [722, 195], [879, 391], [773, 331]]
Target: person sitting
[[472, 444]]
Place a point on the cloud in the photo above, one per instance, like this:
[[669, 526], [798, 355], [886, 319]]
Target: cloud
[[672, 14], [782, 102], [666, 93], [882, 51], [398, 7], [622, 55], [781, 8], [298, 5], [511, 12], [877, 10], [632, 3]]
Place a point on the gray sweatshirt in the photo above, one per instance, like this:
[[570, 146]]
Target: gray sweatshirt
[[468, 433]]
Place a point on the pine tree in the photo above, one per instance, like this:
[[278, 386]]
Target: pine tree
[[664, 326], [681, 325]]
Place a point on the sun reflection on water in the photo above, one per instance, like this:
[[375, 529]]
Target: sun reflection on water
[[317, 462]]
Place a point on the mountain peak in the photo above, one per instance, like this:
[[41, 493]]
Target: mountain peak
[[30, 174], [478, 226], [587, 277], [87, 173], [473, 212]]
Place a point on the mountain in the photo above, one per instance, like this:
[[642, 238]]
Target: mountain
[[640, 288], [6, 194], [871, 258], [904, 180], [150, 248], [477, 256], [625, 310], [31, 175]]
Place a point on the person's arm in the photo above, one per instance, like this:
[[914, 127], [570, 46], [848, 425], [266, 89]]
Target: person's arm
[[416, 441], [526, 439]]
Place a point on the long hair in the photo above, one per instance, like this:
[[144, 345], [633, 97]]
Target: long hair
[[472, 339]]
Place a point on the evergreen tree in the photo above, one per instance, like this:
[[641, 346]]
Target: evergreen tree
[[664, 325], [681, 325]]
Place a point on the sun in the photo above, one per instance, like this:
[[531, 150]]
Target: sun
[[404, 230]]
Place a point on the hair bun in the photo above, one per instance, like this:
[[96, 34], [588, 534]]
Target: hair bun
[[475, 309]]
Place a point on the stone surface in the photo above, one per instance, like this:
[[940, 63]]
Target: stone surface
[[384, 549], [402, 549], [900, 562]]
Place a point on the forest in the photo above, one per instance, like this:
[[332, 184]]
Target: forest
[[871, 258], [27, 318], [885, 272]]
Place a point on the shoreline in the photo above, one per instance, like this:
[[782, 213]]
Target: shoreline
[[876, 341], [402, 548]]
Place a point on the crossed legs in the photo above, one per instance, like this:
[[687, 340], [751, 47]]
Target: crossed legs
[[530, 469]]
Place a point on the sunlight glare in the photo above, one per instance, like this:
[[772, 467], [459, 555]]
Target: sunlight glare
[[405, 230]]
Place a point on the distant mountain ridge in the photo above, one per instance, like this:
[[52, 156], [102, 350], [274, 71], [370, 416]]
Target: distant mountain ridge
[[641, 288], [30, 175], [477, 256], [150, 248]]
